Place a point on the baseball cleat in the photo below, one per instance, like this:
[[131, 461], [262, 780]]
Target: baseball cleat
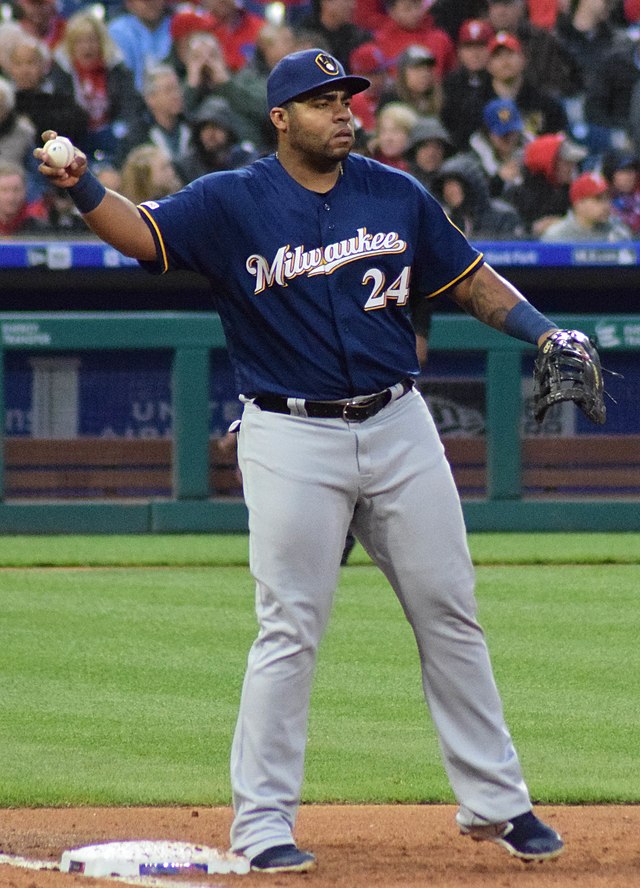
[[284, 859], [525, 837]]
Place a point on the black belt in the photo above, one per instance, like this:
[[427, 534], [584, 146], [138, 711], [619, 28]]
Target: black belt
[[351, 411]]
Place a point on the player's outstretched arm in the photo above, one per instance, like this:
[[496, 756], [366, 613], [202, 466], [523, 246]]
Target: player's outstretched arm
[[111, 216], [491, 299]]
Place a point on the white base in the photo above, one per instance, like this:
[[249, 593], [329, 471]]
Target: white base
[[149, 858]]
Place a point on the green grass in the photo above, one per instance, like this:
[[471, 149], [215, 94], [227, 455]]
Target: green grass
[[119, 685], [232, 549]]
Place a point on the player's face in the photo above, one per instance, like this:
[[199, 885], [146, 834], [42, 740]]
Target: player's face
[[321, 127]]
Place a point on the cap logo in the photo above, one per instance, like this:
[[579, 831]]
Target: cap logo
[[327, 64]]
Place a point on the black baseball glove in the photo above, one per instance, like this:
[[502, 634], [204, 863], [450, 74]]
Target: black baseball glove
[[567, 368]]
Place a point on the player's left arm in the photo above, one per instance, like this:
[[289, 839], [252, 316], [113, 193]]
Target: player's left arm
[[491, 298], [567, 366]]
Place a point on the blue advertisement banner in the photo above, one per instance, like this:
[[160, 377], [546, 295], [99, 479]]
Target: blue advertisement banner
[[62, 255], [127, 394]]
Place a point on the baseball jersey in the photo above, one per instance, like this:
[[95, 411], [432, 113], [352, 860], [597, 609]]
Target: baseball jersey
[[313, 289]]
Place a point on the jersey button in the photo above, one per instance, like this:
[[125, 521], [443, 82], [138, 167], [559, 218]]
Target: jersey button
[[327, 207]]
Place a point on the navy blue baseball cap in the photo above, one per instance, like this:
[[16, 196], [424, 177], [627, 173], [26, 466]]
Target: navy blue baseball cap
[[502, 117], [307, 70]]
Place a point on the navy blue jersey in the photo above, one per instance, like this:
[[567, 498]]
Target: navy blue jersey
[[313, 289]]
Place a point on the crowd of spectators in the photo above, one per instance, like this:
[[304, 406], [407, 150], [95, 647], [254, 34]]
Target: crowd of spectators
[[522, 117]]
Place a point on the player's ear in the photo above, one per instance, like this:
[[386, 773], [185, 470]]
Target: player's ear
[[279, 118]]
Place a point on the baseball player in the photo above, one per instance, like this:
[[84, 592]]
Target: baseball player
[[313, 254]]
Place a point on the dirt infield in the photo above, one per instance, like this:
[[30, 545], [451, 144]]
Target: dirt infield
[[398, 846]]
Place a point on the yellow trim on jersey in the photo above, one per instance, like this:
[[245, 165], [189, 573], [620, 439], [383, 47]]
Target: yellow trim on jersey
[[455, 280], [165, 261]]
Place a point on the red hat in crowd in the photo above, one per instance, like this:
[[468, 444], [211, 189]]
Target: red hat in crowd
[[504, 40], [587, 185], [368, 58], [632, 11], [475, 31], [189, 21], [542, 153]]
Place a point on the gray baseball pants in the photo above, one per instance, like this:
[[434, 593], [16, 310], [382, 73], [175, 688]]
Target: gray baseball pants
[[306, 481]]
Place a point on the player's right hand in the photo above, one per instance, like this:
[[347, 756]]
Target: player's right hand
[[64, 178]]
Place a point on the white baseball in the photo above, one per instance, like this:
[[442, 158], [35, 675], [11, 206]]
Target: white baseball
[[59, 151]]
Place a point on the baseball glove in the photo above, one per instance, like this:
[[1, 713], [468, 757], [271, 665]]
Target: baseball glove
[[567, 368]]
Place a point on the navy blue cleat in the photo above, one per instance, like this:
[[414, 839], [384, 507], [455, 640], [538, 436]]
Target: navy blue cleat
[[525, 837], [284, 859]]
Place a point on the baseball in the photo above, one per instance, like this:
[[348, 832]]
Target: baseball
[[59, 151]]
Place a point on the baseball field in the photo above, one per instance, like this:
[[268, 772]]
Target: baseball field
[[121, 662]]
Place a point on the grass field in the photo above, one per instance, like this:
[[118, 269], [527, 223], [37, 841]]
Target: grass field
[[121, 661]]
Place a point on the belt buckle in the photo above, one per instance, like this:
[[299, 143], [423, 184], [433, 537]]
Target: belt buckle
[[358, 411]]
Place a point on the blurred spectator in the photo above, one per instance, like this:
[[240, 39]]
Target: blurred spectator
[[389, 144], [631, 12], [409, 23], [163, 123], [333, 21], [185, 23], [542, 113], [368, 61], [246, 90], [148, 174], [544, 13], [108, 174], [450, 14], [499, 144], [467, 89], [27, 64], [10, 33], [549, 66], [370, 14], [613, 99], [428, 147], [88, 66], [41, 19], [205, 68], [17, 214], [550, 165], [17, 134], [622, 172], [307, 38], [143, 35], [590, 217], [215, 143], [237, 30], [587, 34], [63, 214], [462, 190], [416, 83]]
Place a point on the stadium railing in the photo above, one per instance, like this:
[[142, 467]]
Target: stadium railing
[[502, 461]]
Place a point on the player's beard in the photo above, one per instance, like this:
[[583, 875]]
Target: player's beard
[[321, 153]]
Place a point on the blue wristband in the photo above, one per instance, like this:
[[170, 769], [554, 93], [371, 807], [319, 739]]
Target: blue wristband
[[87, 194], [525, 322]]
